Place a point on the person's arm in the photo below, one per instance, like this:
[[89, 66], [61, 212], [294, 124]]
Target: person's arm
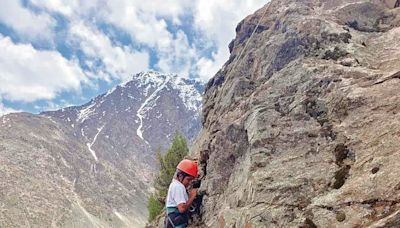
[[183, 207]]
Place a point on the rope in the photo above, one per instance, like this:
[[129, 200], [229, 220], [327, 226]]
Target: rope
[[247, 41], [172, 223]]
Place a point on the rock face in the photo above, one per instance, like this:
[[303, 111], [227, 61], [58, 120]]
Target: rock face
[[93, 165], [301, 127]]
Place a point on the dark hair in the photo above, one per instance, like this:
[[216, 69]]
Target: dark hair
[[181, 173]]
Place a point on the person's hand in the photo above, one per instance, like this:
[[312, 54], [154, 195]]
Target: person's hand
[[196, 183], [193, 193]]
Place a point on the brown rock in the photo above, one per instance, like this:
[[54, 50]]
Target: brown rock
[[289, 102]]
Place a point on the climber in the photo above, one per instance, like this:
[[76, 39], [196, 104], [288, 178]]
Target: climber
[[178, 202]]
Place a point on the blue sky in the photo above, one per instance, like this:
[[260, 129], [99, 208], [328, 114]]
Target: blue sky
[[57, 53]]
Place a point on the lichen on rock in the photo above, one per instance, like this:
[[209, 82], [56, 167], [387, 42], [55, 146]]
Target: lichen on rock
[[303, 129]]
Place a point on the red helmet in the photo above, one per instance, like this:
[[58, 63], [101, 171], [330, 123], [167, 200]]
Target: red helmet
[[188, 166]]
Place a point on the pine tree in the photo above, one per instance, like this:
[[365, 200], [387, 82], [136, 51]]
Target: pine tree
[[168, 163]]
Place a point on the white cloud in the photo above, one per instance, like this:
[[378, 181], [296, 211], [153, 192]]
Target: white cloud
[[29, 25], [143, 20], [117, 62], [52, 106], [207, 67], [77, 9], [217, 21], [178, 57], [146, 23], [140, 22], [59, 6], [27, 74]]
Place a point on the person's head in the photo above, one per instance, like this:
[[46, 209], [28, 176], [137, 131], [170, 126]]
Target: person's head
[[186, 171], [183, 177]]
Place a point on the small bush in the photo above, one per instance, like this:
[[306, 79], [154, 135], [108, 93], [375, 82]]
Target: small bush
[[168, 163], [154, 207]]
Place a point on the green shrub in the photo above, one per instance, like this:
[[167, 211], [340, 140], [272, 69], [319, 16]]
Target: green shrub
[[168, 163], [154, 207]]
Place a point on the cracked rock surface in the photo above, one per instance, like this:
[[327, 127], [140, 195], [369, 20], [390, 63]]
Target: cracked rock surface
[[303, 128]]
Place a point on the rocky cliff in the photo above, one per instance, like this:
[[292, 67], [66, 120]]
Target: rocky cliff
[[301, 126], [93, 165]]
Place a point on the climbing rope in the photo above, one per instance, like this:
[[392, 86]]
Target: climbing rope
[[251, 36], [248, 40]]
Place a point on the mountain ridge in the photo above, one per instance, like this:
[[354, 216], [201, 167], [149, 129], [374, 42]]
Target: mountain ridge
[[93, 167]]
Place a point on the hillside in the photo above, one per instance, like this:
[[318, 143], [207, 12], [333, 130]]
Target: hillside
[[93, 165]]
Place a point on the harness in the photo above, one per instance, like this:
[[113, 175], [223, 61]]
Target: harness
[[169, 221], [175, 219]]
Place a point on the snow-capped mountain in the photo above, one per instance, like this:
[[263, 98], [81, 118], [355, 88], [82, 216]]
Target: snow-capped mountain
[[154, 106], [99, 158]]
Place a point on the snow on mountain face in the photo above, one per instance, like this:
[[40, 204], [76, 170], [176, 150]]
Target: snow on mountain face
[[188, 89], [130, 122], [139, 100], [123, 128], [136, 118]]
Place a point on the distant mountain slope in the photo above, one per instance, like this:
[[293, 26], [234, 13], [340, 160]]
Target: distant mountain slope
[[93, 165]]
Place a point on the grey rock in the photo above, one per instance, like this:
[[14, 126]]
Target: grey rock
[[294, 127]]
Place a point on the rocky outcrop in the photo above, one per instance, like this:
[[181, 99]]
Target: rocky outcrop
[[301, 126]]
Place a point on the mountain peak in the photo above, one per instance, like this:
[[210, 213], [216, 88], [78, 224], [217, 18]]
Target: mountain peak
[[141, 95], [104, 150]]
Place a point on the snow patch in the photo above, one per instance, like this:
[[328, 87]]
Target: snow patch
[[86, 112], [186, 88], [110, 91], [159, 115], [143, 109], [89, 145], [92, 151], [48, 117], [188, 93]]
